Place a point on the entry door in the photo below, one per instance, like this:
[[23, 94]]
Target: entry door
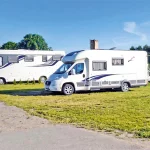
[[1, 61], [79, 76]]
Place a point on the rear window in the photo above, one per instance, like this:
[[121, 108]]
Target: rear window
[[13, 59], [29, 58], [99, 66], [44, 58], [56, 57], [117, 61], [1, 61]]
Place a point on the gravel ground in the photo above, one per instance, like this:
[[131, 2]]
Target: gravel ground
[[15, 119], [20, 131]]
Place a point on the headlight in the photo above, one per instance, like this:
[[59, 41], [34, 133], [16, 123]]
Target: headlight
[[47, 83]]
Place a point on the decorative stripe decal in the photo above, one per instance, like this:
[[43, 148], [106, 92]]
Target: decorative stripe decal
[[97, 77], [46, 64]]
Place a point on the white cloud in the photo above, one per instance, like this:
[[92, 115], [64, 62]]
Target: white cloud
[[131, 27]]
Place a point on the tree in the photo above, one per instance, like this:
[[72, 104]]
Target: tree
[[9, 45], [33, 42], [50, 48], [139, 48], [132, 48], [146, 48]]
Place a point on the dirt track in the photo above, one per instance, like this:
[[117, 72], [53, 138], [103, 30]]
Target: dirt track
[[18, 131], [14, 119]]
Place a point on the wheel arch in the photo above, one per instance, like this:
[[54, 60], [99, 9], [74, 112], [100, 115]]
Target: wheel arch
[[3, 79], [42, 77], [69, 83], [126, 81]]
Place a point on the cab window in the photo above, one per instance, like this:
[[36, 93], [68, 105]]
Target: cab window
[[79, 68]]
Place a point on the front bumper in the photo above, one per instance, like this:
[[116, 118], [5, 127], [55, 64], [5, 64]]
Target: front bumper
[[51, 86]]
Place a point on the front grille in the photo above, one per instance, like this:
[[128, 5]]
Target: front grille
[[48, 83]]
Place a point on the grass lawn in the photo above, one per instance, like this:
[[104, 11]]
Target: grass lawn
[[108, 111]]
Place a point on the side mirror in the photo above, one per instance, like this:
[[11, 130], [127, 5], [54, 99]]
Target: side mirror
[[69, 73], [73, 72]]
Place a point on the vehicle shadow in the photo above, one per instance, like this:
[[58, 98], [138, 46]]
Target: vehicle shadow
[[42, 92], [28, 92], [101, 91]]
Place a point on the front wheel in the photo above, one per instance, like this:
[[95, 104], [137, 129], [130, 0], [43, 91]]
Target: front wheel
[[2, 81], [125, 87], [68, 89]]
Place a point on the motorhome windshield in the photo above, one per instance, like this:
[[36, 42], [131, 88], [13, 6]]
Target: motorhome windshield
[[63, 68]]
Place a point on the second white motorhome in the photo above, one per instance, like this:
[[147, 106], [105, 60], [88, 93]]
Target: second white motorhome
[[87, 70], [28, 64]]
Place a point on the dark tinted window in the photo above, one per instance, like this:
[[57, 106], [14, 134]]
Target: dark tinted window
[[79, 68], [74, 53], [56, 57], [117, 61], [99, 66], [1, 61], [44, 58], [29, 58], [13, 59]]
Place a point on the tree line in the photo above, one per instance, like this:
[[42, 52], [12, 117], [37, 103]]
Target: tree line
[[145, 48], [29, 42]]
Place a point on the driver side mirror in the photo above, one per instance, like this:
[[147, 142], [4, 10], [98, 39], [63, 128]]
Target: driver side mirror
[[72, 72]]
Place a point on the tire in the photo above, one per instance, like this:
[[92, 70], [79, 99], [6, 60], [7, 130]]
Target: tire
[[125, 87], [68, 89], [43, 79], [2, 81]]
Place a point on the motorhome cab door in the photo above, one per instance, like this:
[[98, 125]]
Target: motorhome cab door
[[77, 75]]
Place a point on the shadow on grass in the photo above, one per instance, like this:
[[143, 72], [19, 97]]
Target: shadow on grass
[[42, 92], [26, 92]]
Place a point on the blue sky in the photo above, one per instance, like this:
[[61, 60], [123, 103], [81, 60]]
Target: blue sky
[[70, 24]]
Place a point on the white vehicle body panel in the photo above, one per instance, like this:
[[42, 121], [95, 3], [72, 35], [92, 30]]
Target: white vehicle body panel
[[133, 70], [23, 70]]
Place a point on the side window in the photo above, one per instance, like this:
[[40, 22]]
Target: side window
[[1, 61], [13, 59], [56, 57], [99, 66], [44, 58], [29, 58], [117, 61], [79, 68]]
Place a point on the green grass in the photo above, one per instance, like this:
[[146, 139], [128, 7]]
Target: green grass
[[108, 111]]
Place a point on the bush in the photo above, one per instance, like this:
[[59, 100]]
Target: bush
[[33, 81], [40, 81], [20, 82], [15, 82], [27, 81]]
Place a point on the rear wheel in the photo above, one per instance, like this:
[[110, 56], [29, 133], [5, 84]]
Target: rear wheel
[[2, 81], [43, 79], [68, 89], [125, 87]]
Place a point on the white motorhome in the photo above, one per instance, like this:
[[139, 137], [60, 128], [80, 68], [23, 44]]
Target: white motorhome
[[87, 70], [28, 64]]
